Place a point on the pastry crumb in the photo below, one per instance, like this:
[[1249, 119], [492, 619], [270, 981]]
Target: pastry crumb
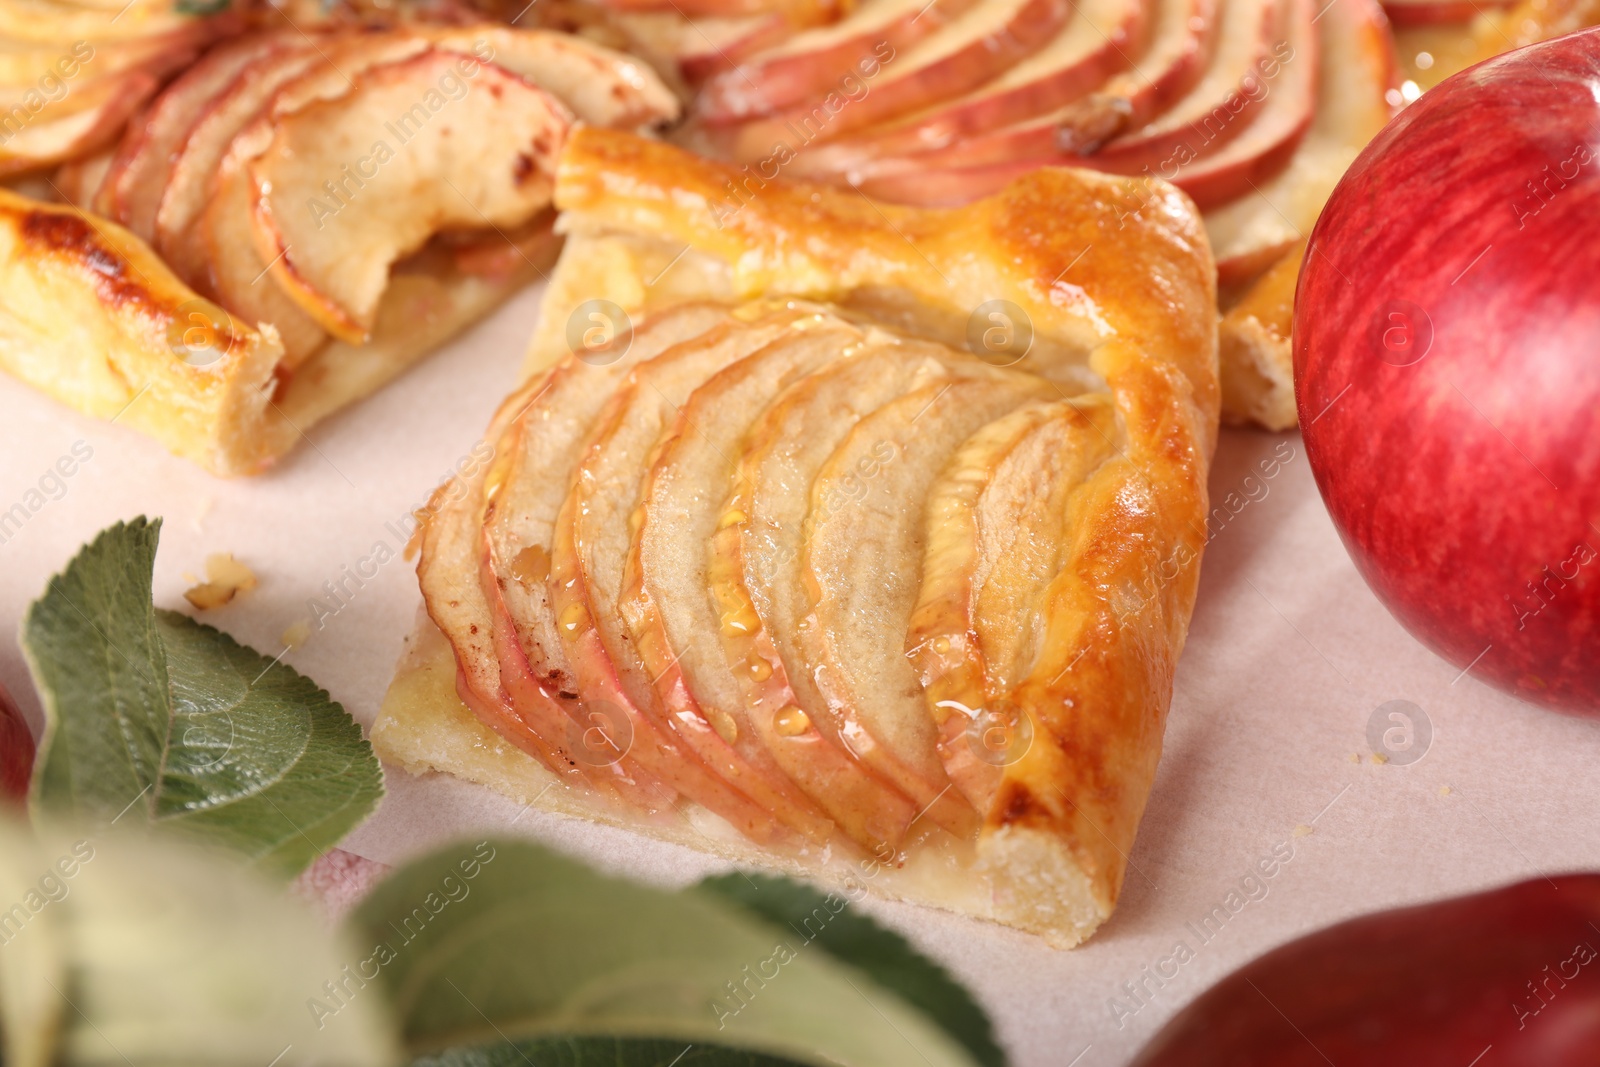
[[1444, 790], [297, 634], [1355, 757], [226, 578], [1379, 758], [1303, 830]]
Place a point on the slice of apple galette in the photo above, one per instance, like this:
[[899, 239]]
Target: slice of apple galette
[[853, 540]]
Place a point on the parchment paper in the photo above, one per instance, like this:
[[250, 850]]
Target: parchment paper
[[1267, 753]]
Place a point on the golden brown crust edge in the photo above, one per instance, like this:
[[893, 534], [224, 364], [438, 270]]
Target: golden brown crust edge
[[645, 234], [90, 315]]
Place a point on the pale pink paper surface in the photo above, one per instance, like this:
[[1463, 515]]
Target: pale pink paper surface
[[1288, 658]]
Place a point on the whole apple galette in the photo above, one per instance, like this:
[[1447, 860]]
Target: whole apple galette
[[854, 540]]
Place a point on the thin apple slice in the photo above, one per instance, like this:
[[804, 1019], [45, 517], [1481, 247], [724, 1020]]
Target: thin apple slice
[[51, 23], [797, 12], [31, 65], [1263, 148], [698, 49], [996, 524], [665, 599], [1357, 72], [1102, 38], [82, 122], [485, 158], [78, 182], [178, 237], [234, 275], [589, 552], [137, 178], [447, 566], [862, 565], [971, 50], [1243, 73], [535, 466], [1184, 40], [816, 62], [602, 87], [1271, 139], [754, 571]]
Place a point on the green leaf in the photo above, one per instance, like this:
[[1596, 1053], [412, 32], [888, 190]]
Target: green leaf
[[847, 935], [599, 1052], [122, 949], [508, 941], [152, 715]]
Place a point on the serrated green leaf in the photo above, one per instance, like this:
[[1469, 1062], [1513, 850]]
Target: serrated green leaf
[[121, 949], [823, 920], [152, 715], [600, 1052], [508, 941]]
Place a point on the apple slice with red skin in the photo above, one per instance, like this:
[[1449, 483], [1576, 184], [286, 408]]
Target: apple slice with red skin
[[700, 48], [447, 567], [485, 158], [86, 120], [1357, 70], [590, 546], [817, 62], [16, 751], [78, 182], [996, 524], [1271, 139], [1253, 39], [1184, 40], [1260, 151], [1102, 38], [973, 49], [795, 12], [195, 165], [666, 601], [862, 564], [754, 572], [603, 87], [533, 468], [133, 186], [1433, 985]]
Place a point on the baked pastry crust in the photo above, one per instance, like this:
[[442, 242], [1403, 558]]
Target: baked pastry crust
[[91, 316], [1121, 307]]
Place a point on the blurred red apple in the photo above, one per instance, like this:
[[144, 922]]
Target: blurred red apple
[[1447, 367], [1507, 977], [16, 751]]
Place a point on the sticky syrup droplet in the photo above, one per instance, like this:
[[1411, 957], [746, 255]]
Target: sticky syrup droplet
[[759, 668], [941, 645], [531, 565], [791, 721], [574, 618], [740, 620]]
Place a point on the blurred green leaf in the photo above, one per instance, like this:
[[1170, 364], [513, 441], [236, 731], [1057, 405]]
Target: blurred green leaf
[[122, 949], [825, 921], [151, 715], [507, 941]]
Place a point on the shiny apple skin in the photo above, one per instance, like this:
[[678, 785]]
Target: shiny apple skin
[[16, 751], [1514, 970], [1447, 369]]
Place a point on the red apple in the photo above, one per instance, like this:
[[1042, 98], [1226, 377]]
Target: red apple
[[1514, 970], [1446, 332], [16, 751]]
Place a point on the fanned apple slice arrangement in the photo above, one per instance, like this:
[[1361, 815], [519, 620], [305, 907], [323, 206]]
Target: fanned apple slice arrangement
[[781, 563], [942, 104], [291, 221], [286, 175], [72, 75]]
